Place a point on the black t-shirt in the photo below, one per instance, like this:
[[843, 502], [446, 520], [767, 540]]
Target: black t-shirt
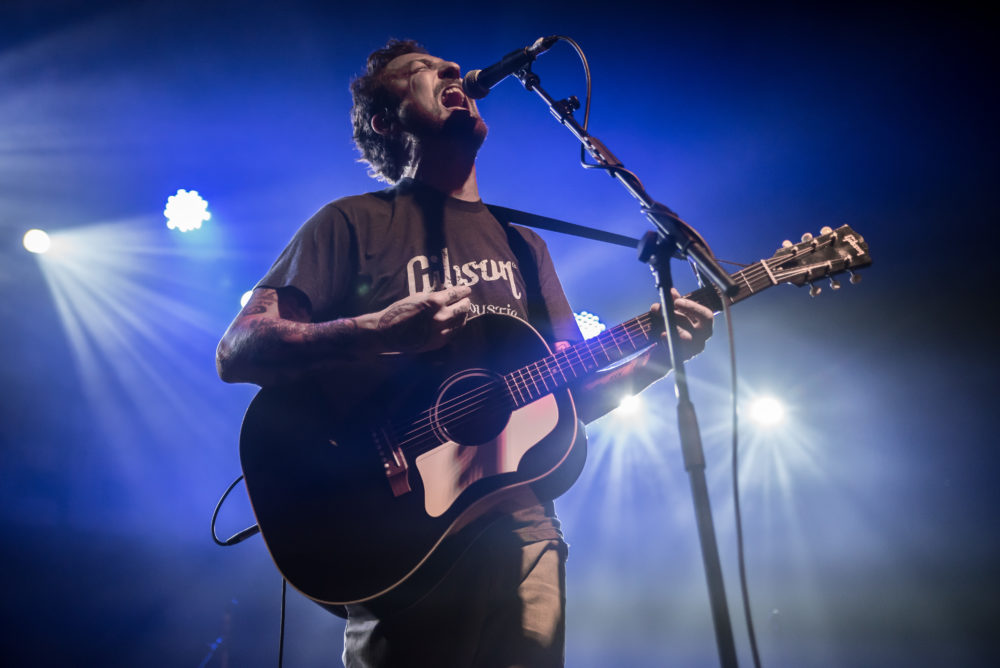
[[361, 253]]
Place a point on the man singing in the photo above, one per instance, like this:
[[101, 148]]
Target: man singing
[[399, 272]]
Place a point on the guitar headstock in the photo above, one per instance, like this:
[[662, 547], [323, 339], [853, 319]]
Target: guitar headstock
[[831, 253]]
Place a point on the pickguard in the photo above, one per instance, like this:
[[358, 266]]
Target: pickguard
[[449, 469]]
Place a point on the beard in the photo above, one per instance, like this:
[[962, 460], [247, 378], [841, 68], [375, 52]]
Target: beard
[[460, 127]]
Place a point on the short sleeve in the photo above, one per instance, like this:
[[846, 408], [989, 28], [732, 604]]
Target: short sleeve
[[319, 261]]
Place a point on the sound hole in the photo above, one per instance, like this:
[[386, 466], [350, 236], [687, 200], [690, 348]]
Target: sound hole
[[472, 408]]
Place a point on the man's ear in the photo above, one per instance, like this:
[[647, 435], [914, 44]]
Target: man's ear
[[381, 124]]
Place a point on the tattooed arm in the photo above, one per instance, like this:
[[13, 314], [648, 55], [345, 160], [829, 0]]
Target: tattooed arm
[[273, 338], [604, 392]]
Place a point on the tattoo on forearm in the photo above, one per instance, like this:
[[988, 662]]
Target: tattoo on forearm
[[265, 349], [288, 349]]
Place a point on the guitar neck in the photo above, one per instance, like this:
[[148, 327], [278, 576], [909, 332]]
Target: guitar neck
[[531, 382], [753, 279], [563, 368]]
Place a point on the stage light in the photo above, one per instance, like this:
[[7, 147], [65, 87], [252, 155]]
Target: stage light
[[110, 283], [630, 404], [36, 241], [186, 210], [245, 298], [767, 411], [590, 325]]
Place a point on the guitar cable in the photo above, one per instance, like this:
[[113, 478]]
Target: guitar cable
[[239, 537]]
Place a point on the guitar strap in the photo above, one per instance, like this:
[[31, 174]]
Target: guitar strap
[[505, 215], [538, 314]]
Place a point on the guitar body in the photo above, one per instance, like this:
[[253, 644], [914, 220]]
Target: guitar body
[[355, 492]]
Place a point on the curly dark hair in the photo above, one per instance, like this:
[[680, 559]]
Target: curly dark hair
[[386, 155]]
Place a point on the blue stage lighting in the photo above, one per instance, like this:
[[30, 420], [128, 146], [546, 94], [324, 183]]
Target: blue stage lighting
[[590, 325], [186, 210], [36, 241]]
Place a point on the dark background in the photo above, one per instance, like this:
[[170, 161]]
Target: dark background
[[869, 514]]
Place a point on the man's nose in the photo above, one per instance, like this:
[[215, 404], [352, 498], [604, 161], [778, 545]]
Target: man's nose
[[450, 70]]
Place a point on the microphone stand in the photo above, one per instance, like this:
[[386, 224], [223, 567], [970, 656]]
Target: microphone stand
[[672, 238]]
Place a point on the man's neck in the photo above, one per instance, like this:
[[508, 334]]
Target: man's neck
[[452, 172]]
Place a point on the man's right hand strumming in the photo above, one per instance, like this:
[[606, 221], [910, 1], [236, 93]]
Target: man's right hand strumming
[[421, 322]]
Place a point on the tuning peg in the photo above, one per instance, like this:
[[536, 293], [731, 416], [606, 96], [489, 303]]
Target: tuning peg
[[814, 289], [834, 283], [855, 278], [826, 229], [786, 244], [807, 237]]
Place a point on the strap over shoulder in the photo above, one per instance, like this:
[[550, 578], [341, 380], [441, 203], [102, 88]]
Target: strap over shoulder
[[505, 215]]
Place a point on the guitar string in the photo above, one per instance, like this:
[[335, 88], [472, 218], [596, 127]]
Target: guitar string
[[421, 435], [535, 376], [763, 269], [536, 372], [465, 405], [421, 428]]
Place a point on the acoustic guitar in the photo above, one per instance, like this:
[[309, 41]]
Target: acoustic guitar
[[366, 487]]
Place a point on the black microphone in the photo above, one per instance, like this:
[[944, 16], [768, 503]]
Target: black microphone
[[477, 83]]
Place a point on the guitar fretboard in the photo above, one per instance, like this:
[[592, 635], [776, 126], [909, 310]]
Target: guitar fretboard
[[531, 382], [560, 369]]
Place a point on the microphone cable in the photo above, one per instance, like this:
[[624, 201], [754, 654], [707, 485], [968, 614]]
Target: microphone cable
[[614, 170], [735, 465]]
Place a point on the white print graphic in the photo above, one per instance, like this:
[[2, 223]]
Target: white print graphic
[[480, 309], [421, 278], [853, 240]]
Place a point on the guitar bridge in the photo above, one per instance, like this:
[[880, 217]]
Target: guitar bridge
[[393, 461]]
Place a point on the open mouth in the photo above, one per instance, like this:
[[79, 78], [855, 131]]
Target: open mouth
[[452, 97]]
